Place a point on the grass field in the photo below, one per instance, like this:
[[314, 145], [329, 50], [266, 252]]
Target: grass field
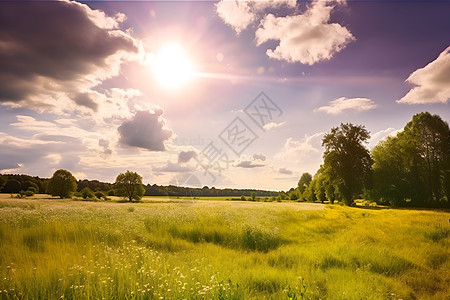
[[195, 249]]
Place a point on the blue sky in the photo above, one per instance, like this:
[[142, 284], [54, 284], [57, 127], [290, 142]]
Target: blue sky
[[99, 88]]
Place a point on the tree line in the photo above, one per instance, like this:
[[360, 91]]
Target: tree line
[[409, 169], [25, 184]]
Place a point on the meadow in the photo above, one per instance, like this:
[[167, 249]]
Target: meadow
[[199, 249]]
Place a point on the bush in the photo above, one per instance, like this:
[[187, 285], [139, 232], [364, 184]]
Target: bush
[[87, 193], [32, 189], [100, 195], [243, 198], [29, 193], [111, 193]]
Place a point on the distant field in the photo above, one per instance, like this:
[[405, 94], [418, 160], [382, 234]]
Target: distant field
[[167, 248]]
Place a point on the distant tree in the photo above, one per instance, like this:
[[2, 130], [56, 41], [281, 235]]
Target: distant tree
[[309, 194], [62, 184], [100, 194], [293, 195], [348, 159], [27, 184], [320, 188], [129, 185], [2, 182], [304, 182], [253, 196], [87, 193], [32, 190], [12, 186]]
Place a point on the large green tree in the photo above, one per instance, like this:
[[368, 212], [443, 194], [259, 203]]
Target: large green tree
[[62, 184], [414, 166], [347, 159], [129, 185]]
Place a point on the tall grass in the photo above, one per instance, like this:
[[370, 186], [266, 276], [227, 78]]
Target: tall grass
[[52, 249]]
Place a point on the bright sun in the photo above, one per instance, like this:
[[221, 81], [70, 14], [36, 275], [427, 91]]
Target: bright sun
[[172, 68]]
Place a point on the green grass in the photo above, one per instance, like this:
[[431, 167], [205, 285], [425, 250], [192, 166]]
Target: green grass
[[170, 249]]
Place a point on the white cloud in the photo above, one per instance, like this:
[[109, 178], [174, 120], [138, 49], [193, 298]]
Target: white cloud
[[381, 135], [240, 14], [273, 125], [237, 14], [432, 82], [295, 150], [173, 168], [337, 106], [303, 155], [307, 38]]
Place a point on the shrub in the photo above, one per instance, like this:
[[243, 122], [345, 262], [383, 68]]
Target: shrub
[[87, 193], [100, 195], [32, 189]]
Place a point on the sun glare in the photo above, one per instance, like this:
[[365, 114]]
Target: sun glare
[[172, 68]]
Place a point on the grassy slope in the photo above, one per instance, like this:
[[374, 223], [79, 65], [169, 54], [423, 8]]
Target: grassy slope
[[220, 249]]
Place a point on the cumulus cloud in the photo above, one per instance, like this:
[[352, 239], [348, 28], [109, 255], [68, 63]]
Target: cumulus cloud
[[237, 14], [186, 156], [273, 125], [240, 14], [297, 149], [173, 167], [339, 105], [39, 153], [305, 154], [53, 53], [260, 157], [255, 161], [307, 38], [432, 82], [145, 130], [248, 164], [381, 135], [284, 171]]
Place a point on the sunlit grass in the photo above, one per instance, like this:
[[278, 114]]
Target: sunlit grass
[[219, 250]]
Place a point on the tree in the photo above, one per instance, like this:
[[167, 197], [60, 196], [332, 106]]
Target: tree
[[348, 160], [12, 186], [129, 185], [414, 167], [2, 182], [430, 136], [304, 182], [62, 184], [87, 193]]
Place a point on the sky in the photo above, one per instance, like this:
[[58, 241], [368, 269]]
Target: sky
[[230, 94]]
